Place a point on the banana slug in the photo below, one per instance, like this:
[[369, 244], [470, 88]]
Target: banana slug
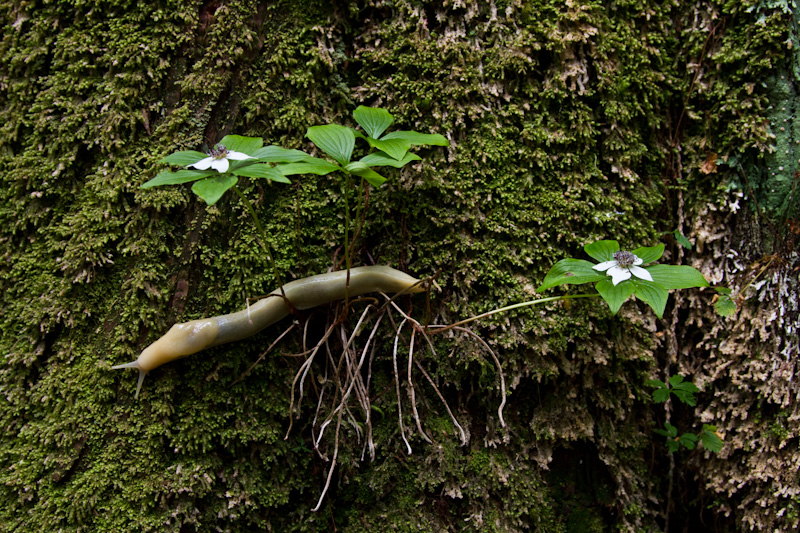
[[197, 335]]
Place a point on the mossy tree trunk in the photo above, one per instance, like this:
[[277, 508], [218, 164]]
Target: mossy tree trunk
[[568, 122]]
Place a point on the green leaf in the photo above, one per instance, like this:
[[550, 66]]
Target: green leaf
[[688, 440], [724, 290], [372, 177], [676, 380], [672, 431], [615, 295], [682, 240], [648, 254], [167, 177], [261, 171], [725, 306], [184, 158], [685, 397], [660, 395], [360, 169], [276, 154], [687, 386], [335, 140], [234, 165], [684, 390], [677, 276], [602, 251], [212, 189], [246, 145], [652, 294], [374, 120], [571, 272], [672, 445], [308, 166], [395, 148], [380, 159], [710, 439], [418, 139]]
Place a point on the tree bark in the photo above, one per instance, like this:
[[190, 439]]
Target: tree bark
[[568, 123]]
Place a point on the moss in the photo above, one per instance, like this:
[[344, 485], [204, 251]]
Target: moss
[[568, 122]]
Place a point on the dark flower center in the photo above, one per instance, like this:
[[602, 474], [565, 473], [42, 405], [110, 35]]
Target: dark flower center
[[624, 259], [219, 151]]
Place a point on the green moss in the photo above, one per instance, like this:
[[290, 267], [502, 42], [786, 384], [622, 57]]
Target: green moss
[[561, 118]]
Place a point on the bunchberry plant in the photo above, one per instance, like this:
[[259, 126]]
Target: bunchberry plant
[[234, 157], [631, 274], [618, 276], [212, 174], [621, 274], [339, 143]]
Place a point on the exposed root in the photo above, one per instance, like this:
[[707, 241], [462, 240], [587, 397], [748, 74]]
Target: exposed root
[[264, 354], [438, 393], [397, 386], [301, 375], [333, 464], [353, 377], [411, 387], [342, 390], [499, 371]]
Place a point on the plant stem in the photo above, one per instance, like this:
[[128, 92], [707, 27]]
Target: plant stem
[[347, 261], [510, 307], [262, 235], [757, 275], [358, 221]]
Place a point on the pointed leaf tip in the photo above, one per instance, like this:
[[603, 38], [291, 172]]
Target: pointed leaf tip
[[212, 189], [335, 140], [374, 120]]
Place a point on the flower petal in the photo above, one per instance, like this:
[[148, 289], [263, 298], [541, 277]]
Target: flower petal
[[602, 267], [237, 156], [203, 164], [637, 260], [618, 274], [639, 272], [220, 165]]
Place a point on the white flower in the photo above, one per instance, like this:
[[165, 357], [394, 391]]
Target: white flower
[[218, 159], [624, 265]]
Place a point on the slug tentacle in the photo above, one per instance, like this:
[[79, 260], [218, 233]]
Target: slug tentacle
[[194, 336], [142, 374]]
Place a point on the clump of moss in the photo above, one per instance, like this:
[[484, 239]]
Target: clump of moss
[[568, 123]]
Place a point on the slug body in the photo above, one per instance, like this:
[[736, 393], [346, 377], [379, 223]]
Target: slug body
[[191, 337]]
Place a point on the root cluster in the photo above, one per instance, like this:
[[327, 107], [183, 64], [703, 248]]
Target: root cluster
[[343, 387]]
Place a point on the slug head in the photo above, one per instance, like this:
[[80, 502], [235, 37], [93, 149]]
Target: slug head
[[181, 340]]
